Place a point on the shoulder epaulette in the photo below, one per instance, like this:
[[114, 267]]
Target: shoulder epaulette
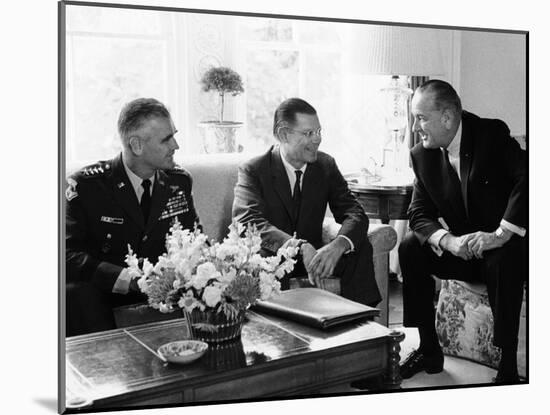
[[178, 170], [95, 170]]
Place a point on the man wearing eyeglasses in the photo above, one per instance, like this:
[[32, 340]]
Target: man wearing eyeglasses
[[286, 191]]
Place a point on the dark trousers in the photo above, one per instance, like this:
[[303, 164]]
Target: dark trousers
[[90, 310], [501, 269], [356, 273]]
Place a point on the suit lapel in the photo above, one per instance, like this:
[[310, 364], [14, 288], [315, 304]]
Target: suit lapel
[[124, 192], [280, 181], [466, 149], [161, 193]]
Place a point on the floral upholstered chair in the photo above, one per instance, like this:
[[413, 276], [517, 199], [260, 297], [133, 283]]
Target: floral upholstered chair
[[464, 323]]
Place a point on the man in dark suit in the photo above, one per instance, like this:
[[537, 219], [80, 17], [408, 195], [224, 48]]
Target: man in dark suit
[[133, 200], [468, 218], [286, 191]]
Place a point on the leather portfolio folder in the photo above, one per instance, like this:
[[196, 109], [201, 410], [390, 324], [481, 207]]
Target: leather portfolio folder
[[315, 307]]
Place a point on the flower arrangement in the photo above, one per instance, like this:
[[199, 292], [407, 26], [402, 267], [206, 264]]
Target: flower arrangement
[[223, 80], [224, 277]]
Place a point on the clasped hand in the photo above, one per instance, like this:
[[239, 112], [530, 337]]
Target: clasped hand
[[320, 263], [471, 245]]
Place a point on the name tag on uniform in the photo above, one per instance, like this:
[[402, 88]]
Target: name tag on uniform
[[116, 221], [175, 205]]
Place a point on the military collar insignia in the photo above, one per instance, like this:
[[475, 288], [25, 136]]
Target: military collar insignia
[[120, 185]]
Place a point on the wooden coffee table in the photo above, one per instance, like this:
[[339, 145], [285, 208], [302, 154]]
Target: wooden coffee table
[[274, 357]]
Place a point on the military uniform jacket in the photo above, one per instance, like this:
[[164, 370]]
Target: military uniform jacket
[[103, 217]]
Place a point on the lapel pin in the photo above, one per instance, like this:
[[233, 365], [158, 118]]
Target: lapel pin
[[120, 185]]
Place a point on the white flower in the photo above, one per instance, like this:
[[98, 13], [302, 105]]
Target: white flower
[[228, 276], [268, 285], [162, 263], [163, 308], [142, 283], [212, 295], [205, 272], [188, 301], [256, 261], [192, 262], [147, 267]]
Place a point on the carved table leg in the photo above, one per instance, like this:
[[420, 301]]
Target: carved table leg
[[392, 379]]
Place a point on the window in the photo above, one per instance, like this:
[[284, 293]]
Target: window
[[284, 58], [115, 55]]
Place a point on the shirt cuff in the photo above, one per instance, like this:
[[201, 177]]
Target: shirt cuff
[[352, 247], [434, 240], [518, 230], [122, 284]]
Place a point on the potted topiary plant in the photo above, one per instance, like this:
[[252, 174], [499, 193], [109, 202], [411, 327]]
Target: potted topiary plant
[[219, 136]]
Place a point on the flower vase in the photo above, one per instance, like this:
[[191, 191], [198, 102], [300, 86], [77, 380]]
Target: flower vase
[[226, 356], [213, 327]]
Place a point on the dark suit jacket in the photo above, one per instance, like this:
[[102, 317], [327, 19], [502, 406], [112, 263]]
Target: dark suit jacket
[[492, 186], [103, 216], [263, 197]]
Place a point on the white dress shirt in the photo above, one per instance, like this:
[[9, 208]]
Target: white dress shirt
[[291, 173]]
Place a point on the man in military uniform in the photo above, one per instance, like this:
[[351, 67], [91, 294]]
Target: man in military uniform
[[133, 200]]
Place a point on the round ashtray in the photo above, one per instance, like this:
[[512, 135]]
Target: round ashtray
[[183, 351]]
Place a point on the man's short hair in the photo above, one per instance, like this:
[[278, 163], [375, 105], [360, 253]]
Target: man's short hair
[[287, 110], [136, 112], [445, 95]]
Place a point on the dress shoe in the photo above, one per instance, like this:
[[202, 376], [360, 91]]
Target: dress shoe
[[417, 362]]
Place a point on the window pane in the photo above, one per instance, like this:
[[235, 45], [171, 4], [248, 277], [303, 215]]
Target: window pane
[[110, 20], [325, 34], [105, 74], [271, 77], [266, 30], [322, 89]]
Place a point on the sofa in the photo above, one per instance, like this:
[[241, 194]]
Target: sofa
[[214, 178]]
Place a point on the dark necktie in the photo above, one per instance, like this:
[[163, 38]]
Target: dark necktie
[[297, 196], [452, 172], [449, 165], [455, 180], [146, 199]]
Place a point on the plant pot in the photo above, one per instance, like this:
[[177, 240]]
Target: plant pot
[[213, 327], [220, 137]]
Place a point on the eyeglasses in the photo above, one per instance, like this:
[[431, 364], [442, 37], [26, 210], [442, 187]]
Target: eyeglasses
[[308, 133]]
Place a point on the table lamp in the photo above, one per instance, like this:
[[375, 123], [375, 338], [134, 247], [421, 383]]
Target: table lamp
[[397, 50], [396, 113]]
